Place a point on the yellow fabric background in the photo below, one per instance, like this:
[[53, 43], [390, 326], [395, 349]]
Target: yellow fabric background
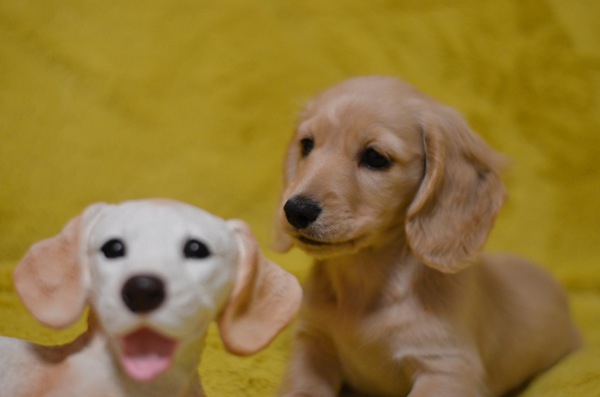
[[196, 100]]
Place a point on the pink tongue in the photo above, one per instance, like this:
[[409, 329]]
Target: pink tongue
[[146, 354]]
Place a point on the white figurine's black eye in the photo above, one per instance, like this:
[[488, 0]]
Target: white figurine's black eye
[[195, 249], [113, 248], [374, 160], [306, 146]]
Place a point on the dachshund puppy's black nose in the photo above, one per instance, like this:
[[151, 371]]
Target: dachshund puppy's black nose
[[301, 211], [143, 294]]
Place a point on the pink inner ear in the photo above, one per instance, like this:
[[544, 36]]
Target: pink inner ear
[[49, 279], [264, 300]]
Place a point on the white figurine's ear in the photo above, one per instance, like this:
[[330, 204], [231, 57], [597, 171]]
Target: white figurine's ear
[[264, 299], [52, 278]]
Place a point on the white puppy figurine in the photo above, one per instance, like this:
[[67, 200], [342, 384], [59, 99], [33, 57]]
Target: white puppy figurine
[[155, 273]]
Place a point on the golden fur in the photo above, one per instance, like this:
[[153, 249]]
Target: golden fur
[[400, 302]]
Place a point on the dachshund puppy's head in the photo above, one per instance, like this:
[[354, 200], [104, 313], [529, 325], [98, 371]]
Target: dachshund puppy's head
[[374, 162]]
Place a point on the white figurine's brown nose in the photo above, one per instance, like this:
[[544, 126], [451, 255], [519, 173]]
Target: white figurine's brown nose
[[143, 294]]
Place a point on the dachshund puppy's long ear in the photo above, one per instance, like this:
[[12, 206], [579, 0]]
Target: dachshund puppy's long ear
[[52, 278], [264, 299], [458, 200], [281, 241]]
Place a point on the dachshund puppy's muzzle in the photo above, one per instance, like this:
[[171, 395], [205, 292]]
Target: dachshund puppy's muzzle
[[303, 213]]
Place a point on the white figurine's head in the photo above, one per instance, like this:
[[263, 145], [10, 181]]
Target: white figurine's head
[[156, 273]]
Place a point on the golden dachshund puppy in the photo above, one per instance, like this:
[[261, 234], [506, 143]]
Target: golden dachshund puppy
[[393, 195]]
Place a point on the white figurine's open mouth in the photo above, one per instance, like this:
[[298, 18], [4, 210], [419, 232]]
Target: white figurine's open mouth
[[147, 354]]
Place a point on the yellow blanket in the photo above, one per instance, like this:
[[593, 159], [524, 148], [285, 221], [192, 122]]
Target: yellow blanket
[[196, 100]]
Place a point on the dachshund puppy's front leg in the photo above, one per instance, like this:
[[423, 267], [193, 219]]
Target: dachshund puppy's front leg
[[313, 370], [447, 385], [444, 371]]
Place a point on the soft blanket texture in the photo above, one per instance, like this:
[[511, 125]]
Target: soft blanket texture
[[196, 100]]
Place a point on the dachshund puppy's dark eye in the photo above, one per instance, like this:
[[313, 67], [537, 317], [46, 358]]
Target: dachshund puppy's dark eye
[[195, 249], [114, 248], [374, 160], [306, 146]]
